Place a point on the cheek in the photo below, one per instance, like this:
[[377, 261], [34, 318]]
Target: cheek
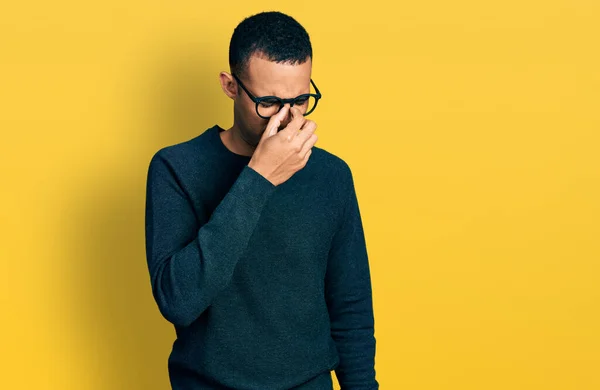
[[245, 115], [253, 124]]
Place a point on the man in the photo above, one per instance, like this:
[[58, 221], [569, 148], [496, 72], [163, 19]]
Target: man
[[254, 238]]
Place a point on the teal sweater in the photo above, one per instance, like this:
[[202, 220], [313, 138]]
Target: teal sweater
[[268, 287]]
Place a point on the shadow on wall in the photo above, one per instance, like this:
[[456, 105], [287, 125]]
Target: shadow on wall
[[121, 337]]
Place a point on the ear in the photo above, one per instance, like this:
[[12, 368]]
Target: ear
[[228, 85]]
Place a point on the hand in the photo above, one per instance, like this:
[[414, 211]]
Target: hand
[[279, 155]]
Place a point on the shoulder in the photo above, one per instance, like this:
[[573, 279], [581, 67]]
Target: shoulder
[[180, 157], [336, 170]]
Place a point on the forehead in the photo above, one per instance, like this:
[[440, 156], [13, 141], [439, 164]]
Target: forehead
[[283, 80]]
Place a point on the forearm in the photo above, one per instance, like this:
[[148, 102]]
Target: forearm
[[188, 265], [352, 329]]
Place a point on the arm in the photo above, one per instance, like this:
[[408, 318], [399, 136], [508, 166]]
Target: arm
[[190, 264], [349, 300]]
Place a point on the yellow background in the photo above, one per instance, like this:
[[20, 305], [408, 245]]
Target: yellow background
[[471, 128]]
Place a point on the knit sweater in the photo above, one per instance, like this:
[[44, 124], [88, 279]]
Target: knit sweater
[[268, 287]]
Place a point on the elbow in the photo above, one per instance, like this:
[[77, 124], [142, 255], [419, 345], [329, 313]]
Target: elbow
[[174, 312], [173, 304], [177, 318], [182, 298]]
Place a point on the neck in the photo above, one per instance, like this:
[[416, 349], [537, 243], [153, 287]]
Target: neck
[[234, 141]]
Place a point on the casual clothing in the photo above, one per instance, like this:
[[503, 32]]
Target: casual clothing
[[268, 287]]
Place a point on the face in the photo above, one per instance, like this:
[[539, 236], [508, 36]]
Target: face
[[264, 78]]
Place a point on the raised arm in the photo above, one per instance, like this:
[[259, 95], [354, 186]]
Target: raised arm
[[190, 264], [349, 300]]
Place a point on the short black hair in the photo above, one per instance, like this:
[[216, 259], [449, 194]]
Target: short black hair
[[273, 35]]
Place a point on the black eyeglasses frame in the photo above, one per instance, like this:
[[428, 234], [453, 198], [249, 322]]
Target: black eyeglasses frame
[[282, 102]]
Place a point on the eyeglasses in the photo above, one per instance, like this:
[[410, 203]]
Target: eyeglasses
[[267, 106]]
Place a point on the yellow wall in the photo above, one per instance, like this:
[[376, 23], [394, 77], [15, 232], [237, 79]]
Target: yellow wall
[[471, 127]]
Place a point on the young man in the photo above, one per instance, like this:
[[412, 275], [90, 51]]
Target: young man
[[254, 238]]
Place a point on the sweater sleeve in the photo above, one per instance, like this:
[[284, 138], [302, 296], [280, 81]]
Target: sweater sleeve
[[349, 300], [190, 264]]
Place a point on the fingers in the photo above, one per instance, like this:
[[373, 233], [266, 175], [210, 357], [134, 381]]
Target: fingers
[[307, 131], [305, 135], [274, 122], [306, 156], [307, 146], [292, 128]]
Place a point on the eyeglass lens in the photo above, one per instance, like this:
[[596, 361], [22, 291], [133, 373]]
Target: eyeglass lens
[[269, 107]]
